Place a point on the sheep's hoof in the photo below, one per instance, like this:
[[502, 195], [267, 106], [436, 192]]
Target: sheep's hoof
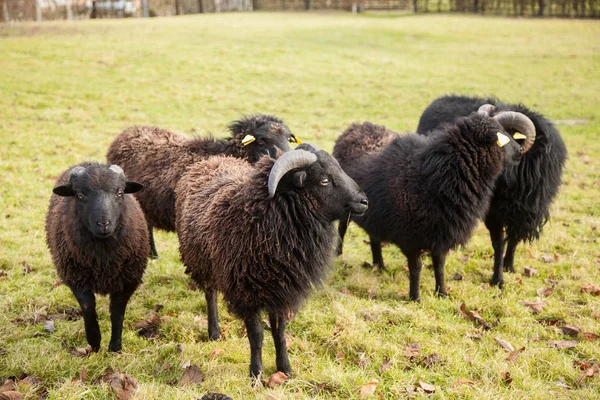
[[154, 257], [509, 268], [500, 284], [95, 347], [115, 348], [442, 295], [214, 335]]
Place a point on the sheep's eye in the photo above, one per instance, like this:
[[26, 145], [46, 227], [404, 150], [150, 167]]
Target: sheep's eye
[[80, 196], [324, 182], [120, 193], [261, 142]]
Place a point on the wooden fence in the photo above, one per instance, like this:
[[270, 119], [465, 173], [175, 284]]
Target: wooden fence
[[31, 10]]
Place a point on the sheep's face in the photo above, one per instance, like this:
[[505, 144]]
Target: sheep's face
[[491, 134], [98, 193], [334, 192]]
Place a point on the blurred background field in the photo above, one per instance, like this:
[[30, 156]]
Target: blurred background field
[[68, 88]]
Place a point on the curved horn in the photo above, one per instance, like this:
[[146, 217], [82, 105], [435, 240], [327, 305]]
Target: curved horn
[[287, 162], [117, 169], [486, 109], [519, 122], [76, 171], [308, 147]]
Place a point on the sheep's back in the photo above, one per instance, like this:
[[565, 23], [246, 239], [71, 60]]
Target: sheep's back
[[359, 140], [156, 158]]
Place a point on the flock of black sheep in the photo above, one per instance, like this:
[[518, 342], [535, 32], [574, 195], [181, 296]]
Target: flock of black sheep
[[255, 221]]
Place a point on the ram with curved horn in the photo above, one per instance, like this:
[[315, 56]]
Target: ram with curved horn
[[279, 214], [523, 193]]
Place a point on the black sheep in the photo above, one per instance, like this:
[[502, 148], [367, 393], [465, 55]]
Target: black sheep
[[262, 235], [98, 240], [523, 194], [157, 158], [427, 193]]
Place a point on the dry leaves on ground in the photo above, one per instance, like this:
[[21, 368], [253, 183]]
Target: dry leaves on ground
[[570, 330], [536, 307], [563, 344], [588, 373], [529, 272], [213, 354], [368, 389], [385, 365], [277, 379], [192, 375], [8, 385], [123, 384], [427, 387], [463, 381], [148, 327], [80, 351], [514, 355], [412, 351], [505, 345], [11, 395], [591, 288], [474, 316], [545, 291], [431, 360], [215, 396]]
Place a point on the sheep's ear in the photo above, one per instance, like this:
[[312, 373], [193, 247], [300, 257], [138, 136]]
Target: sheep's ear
[[64, 191], [299, 178], [132, 187]]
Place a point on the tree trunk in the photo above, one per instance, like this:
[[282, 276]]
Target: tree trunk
[[415, 6], [69, 10], [200, 7]]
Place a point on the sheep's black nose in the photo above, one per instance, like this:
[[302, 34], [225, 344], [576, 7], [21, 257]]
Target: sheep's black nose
[[364, 202], [103, 224]]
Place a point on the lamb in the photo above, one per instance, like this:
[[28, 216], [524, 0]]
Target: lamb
[[427, 193], [262, 236], [157, 158], [524, 192], [98, 240]]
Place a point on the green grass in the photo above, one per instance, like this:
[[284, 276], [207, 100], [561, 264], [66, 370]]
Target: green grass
[[66, 90]]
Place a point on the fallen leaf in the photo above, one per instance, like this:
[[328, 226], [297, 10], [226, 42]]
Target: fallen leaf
[[26, 269], [551, 321], [457, 277], [535, 306], [431, 360], [186, 364], [505, 345], [514, 355], [57, 283], [570, 330], [427, 387], [563, 344], [340, 355], [11, 395], [277, 379], [474, 316], [412, 350], [529, 272], [80, 351], [590, 336], [506, 378], [49, 326], [346, 291], [583, 365], [83, 375], [368, 389], [463, 381], [363, 361], [31, 380], [180, 348], [591, 288], [8, 385], [213, 354], [545, 291], [385, 365], [215, 396], [589, 373], [148, 327], [474, 335], [547, 258], [123, 384], [3, 273], [192, 375]]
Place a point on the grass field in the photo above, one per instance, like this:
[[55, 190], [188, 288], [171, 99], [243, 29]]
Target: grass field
[[66, 90]]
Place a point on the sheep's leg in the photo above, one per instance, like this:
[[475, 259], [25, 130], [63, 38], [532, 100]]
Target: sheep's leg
[[509, 258], [438, 267], [376, 251], [414, 270], [214, 332], [255, 336], [278, 325], [497, 235], [118, 303], [87, 301], [342, 227], [153, 252]]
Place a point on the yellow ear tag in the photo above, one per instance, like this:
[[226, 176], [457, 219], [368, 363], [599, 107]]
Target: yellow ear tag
[[298, 141], [248, 139], [503, 140], [519, 135]]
